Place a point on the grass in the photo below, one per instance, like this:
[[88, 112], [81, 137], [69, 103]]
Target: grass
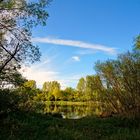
[[31, 126]]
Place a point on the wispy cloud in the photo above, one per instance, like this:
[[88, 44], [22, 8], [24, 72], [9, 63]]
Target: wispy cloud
[[74, 43], [76, 58]]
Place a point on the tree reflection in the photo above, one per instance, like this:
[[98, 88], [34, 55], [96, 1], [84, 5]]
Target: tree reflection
[[72, 111]]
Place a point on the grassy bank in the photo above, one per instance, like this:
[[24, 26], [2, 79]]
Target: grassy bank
[[31, 126]]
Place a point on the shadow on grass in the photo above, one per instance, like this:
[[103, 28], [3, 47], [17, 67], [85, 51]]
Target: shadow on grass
[[22, 125]]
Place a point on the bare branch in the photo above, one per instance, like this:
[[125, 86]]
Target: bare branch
[[8, 60], [8, 52]]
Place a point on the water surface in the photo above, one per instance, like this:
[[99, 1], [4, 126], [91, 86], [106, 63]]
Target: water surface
[[72, 111]]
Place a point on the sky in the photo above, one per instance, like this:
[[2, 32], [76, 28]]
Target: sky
[[78, 34]]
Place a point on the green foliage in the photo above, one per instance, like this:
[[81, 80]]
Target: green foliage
[[8, 101], [50, 86], [11, 78], [88, 88], [17, 18], [70, 94], [121, 78], [46, 87], [57, 94], [137, 42], [30, 84], [81, 85]]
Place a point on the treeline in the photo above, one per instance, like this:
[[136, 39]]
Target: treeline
[[51, 91]]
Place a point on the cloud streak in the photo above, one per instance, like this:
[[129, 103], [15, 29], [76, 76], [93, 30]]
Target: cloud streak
[[75, 43]]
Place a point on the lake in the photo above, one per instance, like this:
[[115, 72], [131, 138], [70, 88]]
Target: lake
[[70, 110]]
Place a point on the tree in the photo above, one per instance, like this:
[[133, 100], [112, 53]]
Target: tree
[[17, 18], [93, 84], [137, 42], [70, 93], [11, 79], [30, 84], [123, 79], [89, 87], [57, 93], [46, 87], [50, 86], [81, 85], [52, 90]]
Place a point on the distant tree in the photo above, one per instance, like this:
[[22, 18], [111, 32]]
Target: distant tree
[[46, 87], [57, 93], [52, 89], [70, 93], [94, 87], [30, 84], [90, 84], [54, 85], [89, 87], [81, 85]]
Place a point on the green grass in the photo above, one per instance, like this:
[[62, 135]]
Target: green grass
[[31, 126]]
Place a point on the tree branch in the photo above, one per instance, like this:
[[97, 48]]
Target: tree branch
[[8, 60], [8, 52]]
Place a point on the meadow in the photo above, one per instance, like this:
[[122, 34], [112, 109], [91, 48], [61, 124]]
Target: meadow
[[32, 126]]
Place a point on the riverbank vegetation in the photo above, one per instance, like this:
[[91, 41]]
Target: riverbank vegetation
[[23, 125]]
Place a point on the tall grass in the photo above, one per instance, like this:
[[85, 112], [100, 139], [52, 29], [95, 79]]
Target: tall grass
[[32, 126]]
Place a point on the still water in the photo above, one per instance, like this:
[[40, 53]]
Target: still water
[[71, 111]]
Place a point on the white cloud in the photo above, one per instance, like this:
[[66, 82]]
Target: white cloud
[[74, 43], [76, 58], [40, 76]]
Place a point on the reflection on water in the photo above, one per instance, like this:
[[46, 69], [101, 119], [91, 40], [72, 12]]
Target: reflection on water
[[71, 111]]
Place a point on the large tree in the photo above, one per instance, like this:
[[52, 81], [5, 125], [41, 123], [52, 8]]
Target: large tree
[[17, 18], [122, 80]]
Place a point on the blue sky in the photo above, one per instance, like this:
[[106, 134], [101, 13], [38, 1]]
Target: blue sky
[[80, 32]]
